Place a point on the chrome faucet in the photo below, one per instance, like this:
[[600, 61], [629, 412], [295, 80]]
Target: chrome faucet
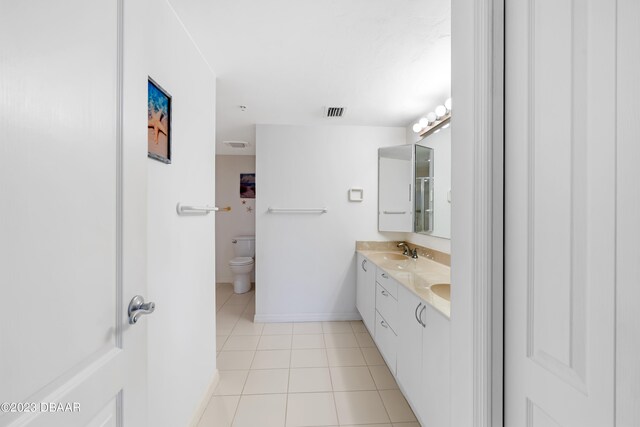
[[407, 251]]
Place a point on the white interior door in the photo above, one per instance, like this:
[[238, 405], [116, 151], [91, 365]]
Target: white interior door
[[65, 281], [560, 213]]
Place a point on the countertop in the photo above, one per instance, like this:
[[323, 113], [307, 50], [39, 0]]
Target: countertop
[[417, 275]]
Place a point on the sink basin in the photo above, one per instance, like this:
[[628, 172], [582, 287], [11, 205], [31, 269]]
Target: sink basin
[[393, 256], [443, 290]]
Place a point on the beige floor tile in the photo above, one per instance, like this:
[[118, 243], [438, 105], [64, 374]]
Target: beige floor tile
[[274, 342], [416, 424], [220, 340], [345, 357], [307, 328], [308, 341], [277, 329], [231, 383], [267, 381], [246, 326], [340, 340], [231, 310], [240, 299], [364, 339], [360, 407], [383, 378], [233, 360], [396, 406], [305, 380], [311, 409], [241, 342], [309, 358], [358, 326], [219, 411], [368, 425], [271, 359], [263, 410], [372, 356], [337, 327], [351, 378]]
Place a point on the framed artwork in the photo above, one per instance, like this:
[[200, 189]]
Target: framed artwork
[[247, 185], [159, 122]]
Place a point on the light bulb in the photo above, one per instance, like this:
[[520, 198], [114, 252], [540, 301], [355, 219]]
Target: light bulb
[[417, 128], [447, 104], [441, 111], [423, 122], [431, 117]]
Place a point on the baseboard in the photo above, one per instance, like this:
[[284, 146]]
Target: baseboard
[[305, 317], [205, 400]]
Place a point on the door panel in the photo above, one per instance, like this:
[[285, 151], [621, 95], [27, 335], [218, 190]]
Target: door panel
[[61, 313], [560, 221]]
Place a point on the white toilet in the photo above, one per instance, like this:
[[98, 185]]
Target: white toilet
[[242, 265]]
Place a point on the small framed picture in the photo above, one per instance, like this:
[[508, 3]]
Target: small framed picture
[[159, 122], [247, 185]]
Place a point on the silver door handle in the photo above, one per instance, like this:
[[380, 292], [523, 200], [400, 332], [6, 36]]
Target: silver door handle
[[424, 325], [384, 276], [384, 293], [383, 324], [364, 261], [416, 313], [137, 307]]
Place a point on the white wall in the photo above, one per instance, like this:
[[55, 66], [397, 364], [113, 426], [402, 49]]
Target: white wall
[[240, 221], [181, 273], [305, 266]]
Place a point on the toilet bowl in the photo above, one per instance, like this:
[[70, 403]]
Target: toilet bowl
[[242, 265]]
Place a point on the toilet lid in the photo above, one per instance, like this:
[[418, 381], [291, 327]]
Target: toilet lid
[[241, 260]]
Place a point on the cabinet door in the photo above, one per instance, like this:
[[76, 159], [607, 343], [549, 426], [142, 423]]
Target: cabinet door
[[366, 291], [409, 358], [436, 400]]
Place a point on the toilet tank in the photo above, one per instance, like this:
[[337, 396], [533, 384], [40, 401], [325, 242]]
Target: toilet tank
[[244, 246]]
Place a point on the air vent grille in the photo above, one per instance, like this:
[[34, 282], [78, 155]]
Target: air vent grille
[[237, 144], [334, 111]]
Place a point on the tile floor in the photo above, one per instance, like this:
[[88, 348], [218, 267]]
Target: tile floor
[[320, 374]]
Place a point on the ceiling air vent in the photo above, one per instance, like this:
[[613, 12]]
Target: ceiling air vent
[[334, 111], [237, 144]]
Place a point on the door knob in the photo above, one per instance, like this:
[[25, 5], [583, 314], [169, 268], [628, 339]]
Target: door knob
[[137, 307]]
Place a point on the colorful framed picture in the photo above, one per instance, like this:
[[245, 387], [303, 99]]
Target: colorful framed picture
[[247, 185], [159, 122]]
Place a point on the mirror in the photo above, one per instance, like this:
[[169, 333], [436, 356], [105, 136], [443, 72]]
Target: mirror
[[414, 186], [433, 184], [395, 188]]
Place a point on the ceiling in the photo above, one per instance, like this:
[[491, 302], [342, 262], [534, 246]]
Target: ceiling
[[386, 61]]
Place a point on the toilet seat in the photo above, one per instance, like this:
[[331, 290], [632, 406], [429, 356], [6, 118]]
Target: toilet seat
[[242, 260]]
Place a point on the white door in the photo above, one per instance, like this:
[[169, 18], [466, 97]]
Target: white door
[[409, 359], [560, 182], [68, 357]]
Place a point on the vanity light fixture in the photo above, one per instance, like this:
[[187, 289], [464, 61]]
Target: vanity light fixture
[[434, 120]]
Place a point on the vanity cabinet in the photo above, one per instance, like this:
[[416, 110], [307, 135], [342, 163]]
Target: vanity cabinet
[[366, 292], [410, 346]]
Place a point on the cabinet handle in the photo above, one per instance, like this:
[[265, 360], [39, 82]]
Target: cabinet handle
[[384, 325], [416, 313], [384, 293], [424, 325], [363, 263], [384, 276]]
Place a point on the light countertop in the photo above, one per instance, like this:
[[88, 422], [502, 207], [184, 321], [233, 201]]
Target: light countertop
[[417, 275]]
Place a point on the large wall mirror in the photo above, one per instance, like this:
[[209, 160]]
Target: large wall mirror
[[433, 184], [414, 186]]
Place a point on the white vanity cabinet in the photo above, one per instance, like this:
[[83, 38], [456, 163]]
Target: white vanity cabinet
[[435, 406], [410, 343], [366, 292]]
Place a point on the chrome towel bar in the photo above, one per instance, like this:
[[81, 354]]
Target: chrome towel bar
[[298, 210], [198, 210]]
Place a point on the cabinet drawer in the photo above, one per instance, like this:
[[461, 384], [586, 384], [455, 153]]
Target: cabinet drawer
[[386, 341], [387, 282], [386, 305]]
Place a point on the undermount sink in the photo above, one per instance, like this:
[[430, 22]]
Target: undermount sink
[[443, 290], [394, 256]]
